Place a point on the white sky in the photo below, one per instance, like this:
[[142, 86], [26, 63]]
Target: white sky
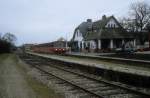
[[38, 21]]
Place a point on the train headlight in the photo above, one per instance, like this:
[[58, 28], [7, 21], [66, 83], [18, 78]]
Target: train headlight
[[56, 49]]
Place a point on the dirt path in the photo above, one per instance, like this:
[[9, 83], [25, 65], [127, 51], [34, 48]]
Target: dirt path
[[12, 82]]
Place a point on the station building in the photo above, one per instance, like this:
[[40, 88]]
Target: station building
[[103, 35]]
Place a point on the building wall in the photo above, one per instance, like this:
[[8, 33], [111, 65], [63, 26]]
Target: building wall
[[78, 36], [100, 44], [93, 44]]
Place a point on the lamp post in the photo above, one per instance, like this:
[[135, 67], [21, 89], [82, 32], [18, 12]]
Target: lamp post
[[66, 42], [149, 34]]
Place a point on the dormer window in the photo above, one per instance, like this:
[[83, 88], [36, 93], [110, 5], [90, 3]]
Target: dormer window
[[111, 25], [77, 33], [108, 25], [95, 30], [114, 25]]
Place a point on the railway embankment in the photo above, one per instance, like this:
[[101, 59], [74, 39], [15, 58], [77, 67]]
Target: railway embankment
[[82, 83], [16, 80], [133, 75]]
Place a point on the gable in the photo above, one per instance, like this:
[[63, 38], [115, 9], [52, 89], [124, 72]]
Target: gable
[[112, 23], [81, 30], [78, 35]]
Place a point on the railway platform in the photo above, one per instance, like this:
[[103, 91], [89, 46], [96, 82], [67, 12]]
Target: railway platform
[[108, 56], [145, 52], [92, 85], [125, 73], [141, 71], [89, 54]]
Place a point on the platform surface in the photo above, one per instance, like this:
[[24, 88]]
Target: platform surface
[[141, 71]]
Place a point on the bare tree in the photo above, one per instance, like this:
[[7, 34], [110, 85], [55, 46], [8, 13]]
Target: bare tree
[[0, 36], [140, 14], [140, 11], [148, 28], [128, 24], [7, 43], [9, 38], [61, 39], [137, 20]]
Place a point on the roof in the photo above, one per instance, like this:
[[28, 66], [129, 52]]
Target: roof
[[102, 23], [97, 30], [109, 33], [83, 27]]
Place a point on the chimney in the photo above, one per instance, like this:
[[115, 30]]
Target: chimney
[[103, 17], [89, 20]]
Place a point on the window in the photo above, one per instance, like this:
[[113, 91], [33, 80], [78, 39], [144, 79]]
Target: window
[[77, 33], [95, 30], [111, 25], [108, 25], [114, 25]]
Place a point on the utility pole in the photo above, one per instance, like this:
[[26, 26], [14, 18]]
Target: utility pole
[[66, 42]]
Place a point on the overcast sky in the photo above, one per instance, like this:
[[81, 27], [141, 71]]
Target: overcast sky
[[38, 21]]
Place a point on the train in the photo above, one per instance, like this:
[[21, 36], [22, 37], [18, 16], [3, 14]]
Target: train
[[56, 47]]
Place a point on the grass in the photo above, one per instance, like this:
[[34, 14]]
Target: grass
[[3, 56], [41, 90], [2, 91]]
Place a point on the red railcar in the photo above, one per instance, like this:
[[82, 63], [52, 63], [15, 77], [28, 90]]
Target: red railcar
[[57, 47]]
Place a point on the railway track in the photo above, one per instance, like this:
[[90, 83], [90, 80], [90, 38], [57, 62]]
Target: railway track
[[91, 86]]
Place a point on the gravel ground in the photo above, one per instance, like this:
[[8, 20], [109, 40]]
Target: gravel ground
[[13, 83]]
